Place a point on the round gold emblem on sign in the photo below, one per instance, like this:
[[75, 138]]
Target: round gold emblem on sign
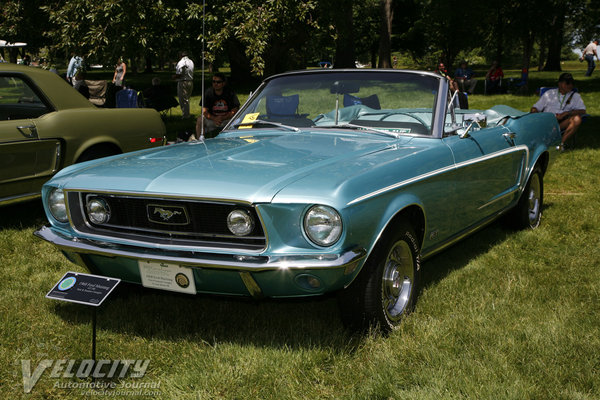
[[182, 280]]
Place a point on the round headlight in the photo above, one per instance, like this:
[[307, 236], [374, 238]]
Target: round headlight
[[323, 225], [240, 223], [98, 210], [57, 205]]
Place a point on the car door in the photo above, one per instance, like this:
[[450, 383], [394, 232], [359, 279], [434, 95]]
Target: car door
[[25, 160], [489, 170]]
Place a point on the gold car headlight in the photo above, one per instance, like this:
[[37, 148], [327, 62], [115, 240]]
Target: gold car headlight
[[57, 204]]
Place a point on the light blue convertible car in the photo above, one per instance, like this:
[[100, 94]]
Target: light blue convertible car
[[325, 180]]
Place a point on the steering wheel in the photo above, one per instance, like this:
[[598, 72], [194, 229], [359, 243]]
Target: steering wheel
[[420, 120]]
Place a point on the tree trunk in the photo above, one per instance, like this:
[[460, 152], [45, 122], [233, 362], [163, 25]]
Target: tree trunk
[[499, 36], [148, 69], [555, 42], [385, 34], [239, 63], [344, 45], [528, 40]]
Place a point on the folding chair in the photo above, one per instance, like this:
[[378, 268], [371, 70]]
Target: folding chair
[[127, 98]]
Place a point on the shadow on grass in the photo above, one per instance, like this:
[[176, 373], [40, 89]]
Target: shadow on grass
[[273, 323], [443, 264], [587, 136], [281, 323], [29, 214], [457, 256]]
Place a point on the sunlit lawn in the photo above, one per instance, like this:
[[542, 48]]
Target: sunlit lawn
[[502, 315]]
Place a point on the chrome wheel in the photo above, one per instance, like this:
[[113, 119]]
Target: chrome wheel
[[534, 200], [397, 280]]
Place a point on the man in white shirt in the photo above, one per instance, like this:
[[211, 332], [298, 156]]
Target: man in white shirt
[[588, 55], [184, 74], [566, 104]]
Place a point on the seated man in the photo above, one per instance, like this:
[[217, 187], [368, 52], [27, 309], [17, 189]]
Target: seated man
[[464, 77], [565, 104], [493, 78], [220, 104]]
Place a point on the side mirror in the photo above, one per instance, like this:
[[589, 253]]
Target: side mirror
[[464, 132]]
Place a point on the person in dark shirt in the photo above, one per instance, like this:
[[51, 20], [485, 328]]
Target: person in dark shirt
[[220, 104]]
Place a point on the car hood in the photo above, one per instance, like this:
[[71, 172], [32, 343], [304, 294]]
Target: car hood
[[251, 168]]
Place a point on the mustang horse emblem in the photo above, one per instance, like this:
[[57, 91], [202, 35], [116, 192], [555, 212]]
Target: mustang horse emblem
[[165, 214]]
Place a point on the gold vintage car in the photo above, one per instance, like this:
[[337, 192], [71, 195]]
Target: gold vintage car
[[46, 125]]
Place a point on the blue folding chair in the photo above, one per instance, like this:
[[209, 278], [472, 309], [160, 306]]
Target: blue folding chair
[[127, 98], [282, 106]]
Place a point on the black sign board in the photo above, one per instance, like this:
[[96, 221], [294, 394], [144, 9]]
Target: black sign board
[[80, 288]]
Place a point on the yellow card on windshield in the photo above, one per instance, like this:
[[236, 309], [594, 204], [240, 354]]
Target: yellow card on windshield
[[248, 118]]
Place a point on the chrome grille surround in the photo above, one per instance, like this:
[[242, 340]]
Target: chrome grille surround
[[166, 220]]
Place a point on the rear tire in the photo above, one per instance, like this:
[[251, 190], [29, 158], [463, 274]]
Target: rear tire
[[98, 151], [387, 286]]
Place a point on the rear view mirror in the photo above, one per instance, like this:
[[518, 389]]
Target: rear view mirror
[[344, 87]]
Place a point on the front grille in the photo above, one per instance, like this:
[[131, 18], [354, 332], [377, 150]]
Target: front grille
[[185, 222]]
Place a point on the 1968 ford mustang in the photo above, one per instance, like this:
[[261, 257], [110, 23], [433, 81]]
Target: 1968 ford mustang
[[336, 180]]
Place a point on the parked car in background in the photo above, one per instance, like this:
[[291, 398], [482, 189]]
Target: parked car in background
[[46, 125], [324, 181]]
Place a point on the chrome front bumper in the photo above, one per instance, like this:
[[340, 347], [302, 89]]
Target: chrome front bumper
[[348, 260]]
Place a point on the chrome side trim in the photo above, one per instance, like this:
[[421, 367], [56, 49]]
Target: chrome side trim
[[201, 259], [58, 158], [443, 170], [16, 199], [460, 236], [500, 197]]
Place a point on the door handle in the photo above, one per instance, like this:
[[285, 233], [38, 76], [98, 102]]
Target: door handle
[[29, 131]]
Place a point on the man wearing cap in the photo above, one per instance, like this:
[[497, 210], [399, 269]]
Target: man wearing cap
[[566, 104], [588, 54]]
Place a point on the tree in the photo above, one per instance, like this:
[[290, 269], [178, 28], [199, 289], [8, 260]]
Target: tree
[[385, 34], [103, 31], [257, 36], [17, 18]]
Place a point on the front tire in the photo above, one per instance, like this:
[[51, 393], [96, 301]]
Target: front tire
[[528, 211], [386, 288]]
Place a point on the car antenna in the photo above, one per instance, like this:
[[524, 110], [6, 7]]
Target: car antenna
[[202, 86]]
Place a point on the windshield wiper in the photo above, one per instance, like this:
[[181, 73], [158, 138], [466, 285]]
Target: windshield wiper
[[262, 121], [362, 128]]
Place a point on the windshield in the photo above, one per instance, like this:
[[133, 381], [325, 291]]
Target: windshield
[[390, 101]]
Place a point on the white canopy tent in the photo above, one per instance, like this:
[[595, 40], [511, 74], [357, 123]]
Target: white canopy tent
[[4, 43], [13, 47]]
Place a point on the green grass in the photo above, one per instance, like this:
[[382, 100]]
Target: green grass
[[501, 315]]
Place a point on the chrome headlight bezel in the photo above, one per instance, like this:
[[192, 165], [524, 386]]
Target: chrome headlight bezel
[[240, 222], [57, 205], [97, 210], [322, 225]]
